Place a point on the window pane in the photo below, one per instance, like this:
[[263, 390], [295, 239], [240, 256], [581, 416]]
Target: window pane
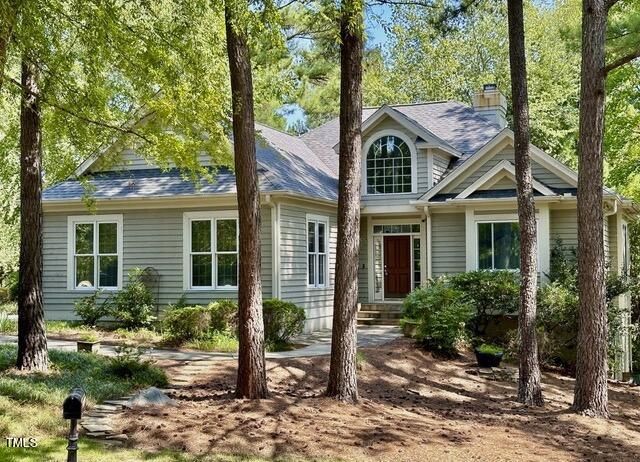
[[388, 166], [201, 270], [108, 271], [484, 246], [228, 270], [321, 237], [84, 238], [311, 236], [107, 238], [322, 271], [506, 246], [311, 269], [84, 272], [226, 236], [201, 236]]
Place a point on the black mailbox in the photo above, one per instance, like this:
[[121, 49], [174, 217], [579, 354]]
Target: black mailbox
[[74, 404]]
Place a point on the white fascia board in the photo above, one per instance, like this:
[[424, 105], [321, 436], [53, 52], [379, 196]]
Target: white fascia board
[[410, 125], [503, 166]]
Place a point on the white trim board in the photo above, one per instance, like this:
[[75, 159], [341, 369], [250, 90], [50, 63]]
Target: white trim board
[[497, 173], [498, 142]]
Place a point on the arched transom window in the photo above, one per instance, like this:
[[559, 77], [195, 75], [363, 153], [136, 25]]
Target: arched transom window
[[388, 166]]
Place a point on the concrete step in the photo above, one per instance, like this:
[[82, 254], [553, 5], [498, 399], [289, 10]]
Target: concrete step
[[379, 314], [382, 307], [378, 322]]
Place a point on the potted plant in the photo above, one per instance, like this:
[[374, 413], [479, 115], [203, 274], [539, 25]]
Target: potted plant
[[89, 342], [488, 355]]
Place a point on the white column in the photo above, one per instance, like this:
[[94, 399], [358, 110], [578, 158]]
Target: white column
[[470, 238], [544, 241]]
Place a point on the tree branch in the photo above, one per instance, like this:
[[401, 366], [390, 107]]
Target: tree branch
[[621, 61], [120, 128]]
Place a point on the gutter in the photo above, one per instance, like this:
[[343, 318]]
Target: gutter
[[275, 245]]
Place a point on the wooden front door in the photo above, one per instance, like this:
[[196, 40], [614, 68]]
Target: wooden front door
[[397, 266]]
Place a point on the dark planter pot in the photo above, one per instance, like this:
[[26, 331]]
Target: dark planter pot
[[90, 347], [488, 359]]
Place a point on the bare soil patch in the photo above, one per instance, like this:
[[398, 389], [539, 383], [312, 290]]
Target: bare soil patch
[[413, 407]]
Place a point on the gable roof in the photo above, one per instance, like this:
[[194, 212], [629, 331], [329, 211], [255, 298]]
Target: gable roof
[[285, 164], [454, 123]]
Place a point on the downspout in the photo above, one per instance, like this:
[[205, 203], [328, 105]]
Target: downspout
[[427, 214], [275, 246]]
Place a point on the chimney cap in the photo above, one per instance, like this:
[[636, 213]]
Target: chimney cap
[[490, 87]]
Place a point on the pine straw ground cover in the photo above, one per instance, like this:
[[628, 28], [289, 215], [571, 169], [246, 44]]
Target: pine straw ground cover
[[413, 407]]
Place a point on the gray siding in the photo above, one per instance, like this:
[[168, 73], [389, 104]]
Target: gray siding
[[440, 166], [564, 225], [318, 302], [129, 159], [447, 243], [150, 238], [539, 173]]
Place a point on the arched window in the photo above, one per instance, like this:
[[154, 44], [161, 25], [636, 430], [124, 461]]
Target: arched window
[[388, 166]]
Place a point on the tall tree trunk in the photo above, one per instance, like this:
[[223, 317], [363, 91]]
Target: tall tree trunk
[[529, 390], [590, 395], [252, 376], [343, 384], [32, 340]]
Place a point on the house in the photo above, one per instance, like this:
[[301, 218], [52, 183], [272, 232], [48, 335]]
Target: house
[[438, 197]]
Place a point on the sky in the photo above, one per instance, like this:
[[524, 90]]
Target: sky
[[376, 36]]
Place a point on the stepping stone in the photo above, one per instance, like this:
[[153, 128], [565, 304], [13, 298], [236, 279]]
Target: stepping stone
[[97, 428], [122, 437]]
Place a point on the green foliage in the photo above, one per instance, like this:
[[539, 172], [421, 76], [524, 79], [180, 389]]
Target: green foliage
[[490, 349], [188, 323], [7, 326], [442, 312], [93, 372], [224, 315], [490, 292], [12, 285], [132, 306], [558, 310], [129, 364], [215, 341], [89, 310], [282, 321]]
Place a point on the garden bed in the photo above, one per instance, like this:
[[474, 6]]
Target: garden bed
[[414, 407]]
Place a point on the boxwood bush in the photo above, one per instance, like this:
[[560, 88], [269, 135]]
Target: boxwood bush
[[187, 323], [282, 321]]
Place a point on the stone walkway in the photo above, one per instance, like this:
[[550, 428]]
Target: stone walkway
[[317, 344]]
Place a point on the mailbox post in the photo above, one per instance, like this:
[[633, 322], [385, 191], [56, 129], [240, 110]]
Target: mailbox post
[[72, 410]]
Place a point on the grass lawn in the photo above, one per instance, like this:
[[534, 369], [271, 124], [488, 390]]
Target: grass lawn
[[30, 406]]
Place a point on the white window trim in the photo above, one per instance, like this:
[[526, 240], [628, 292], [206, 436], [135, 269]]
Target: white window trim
[[414, 162], [327, 247], [74, 220], [188, 217]]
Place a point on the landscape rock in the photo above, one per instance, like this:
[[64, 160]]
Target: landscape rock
[[149, 397]]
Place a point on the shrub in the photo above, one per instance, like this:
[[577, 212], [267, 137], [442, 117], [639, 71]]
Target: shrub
[[4, 295], [188, 323], [89, 310], [282, 321], [441, 312], [12, 285], [128, 364], [224, 315], [490, 292], [132, 306], [489, 349]]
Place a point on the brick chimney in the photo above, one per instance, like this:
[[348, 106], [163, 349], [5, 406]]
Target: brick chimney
[[491, 104]]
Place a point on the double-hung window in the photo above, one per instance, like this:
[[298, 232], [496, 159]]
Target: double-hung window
[[211, 250], [317, 245], [498, 245], [95, 252]]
